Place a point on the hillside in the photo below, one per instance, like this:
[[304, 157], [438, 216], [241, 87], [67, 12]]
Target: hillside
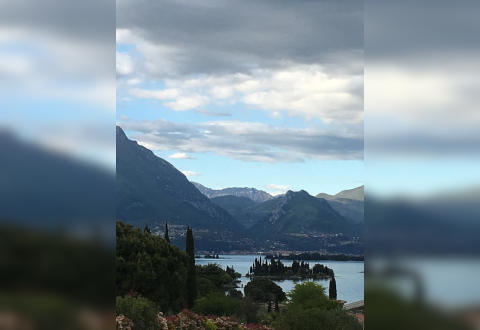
[[349, 203], [296, 213], [236, 206], [150, 190]]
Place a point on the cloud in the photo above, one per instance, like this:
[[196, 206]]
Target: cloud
[[248, 141], [188, 173], [307, 91], [180, 155], [185, 38], [276, 189], [124, 64]]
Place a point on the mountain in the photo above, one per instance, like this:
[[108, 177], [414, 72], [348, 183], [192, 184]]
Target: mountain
[[236, 206], [349, 203], [296, 213], [252, 193], [353, 194], [42, 188], [150, 190]]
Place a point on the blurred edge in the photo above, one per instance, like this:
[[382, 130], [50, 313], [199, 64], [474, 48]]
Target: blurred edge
[[57, 150], [422, 159]]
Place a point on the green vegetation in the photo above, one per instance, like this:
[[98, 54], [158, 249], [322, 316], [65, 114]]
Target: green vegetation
[[216, 303], [310, 308], [191, 271], [167, 238], [140, 310], [265, 291], [154, 276], [332, 289], [276, 269], [147, 265]]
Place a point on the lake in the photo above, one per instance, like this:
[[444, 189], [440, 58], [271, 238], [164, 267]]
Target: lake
[[348, 274]]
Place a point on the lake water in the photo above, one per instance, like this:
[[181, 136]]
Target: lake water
[[348, 274]]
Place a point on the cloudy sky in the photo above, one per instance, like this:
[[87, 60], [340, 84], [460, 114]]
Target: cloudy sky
[[262, 94]]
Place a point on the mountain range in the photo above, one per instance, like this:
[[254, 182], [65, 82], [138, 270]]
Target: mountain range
[[349, 203], [151, 191], [251, 193]]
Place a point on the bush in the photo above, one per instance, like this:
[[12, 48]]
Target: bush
[[140, 310], [216, 304], [209, 325], [315, 318]]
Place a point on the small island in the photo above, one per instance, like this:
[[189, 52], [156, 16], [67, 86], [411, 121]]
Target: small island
[[275, 269]]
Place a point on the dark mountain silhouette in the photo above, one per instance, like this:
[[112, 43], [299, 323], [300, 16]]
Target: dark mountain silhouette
[[150, 190]]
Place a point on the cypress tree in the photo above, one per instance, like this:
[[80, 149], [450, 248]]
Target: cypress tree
[[166, 232], [147, 229], [332, 289], [191, 273]]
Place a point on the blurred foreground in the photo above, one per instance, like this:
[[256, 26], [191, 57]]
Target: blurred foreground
[[422, 160], [57, 160]]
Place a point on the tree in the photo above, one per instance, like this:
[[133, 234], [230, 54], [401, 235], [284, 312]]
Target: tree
[[309, 308], [167, 238], [264, 290], [147, 265], [332, 289], [191, 272], [147, 230]]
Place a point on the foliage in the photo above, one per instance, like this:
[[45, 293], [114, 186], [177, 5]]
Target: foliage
[[193, 321], [310, 308], [332, 289], [388, 310], [309, 295], [141, 311], [211, 278], [216, 304], [247, 311], [191, 271], [278, 269], [149, 266], [231, 271], [209, 325], [264, 290], [314, 319], [167, 238]]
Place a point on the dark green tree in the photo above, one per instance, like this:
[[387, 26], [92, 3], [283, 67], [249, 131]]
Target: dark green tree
[[148, 266], [265, 291], [332, 289], [167, 238], [147, 230], [191, 272]]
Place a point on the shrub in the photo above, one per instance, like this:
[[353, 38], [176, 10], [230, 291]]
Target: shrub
[[209, 325], [216, 304], [141, 311]]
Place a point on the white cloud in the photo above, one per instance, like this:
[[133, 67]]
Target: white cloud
[[159, 94], [124, 64], [181, 155], [276, 189], [188, 173], [307, 91]]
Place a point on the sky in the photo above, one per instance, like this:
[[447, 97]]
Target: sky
[[248, 94]]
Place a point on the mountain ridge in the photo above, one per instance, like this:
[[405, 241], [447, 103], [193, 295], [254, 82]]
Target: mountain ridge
[[150, 191], [254, 194]]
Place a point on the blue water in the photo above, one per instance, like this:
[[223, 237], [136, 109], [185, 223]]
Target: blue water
[[348, 274]]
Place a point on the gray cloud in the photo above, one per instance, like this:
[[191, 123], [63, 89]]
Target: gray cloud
[[246, 141], [223, 37]]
